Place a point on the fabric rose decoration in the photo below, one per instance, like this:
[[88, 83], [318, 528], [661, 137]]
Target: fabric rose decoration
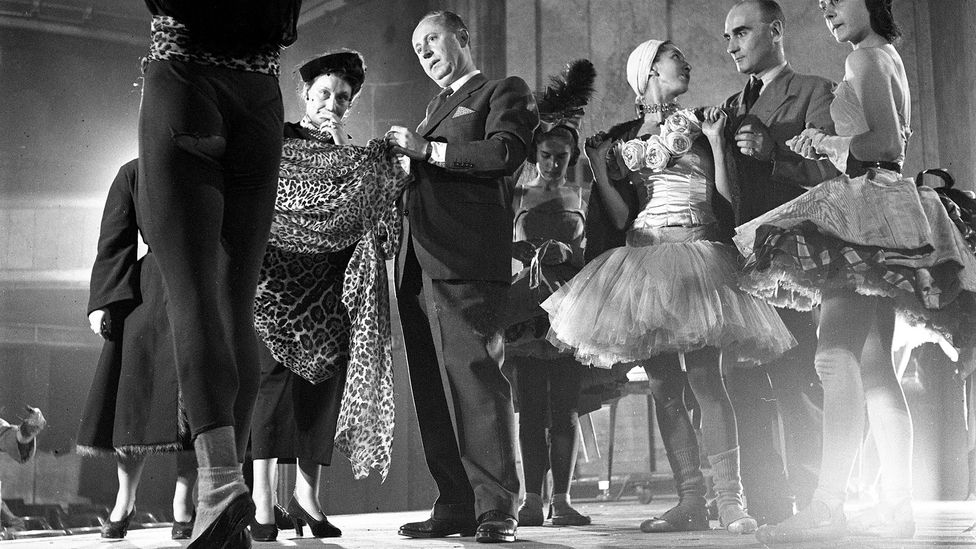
[[657, 155], [684, 121], [678, 143], [633, 153], [678, 133]]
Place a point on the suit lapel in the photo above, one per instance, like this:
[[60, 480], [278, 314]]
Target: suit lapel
[[773, 97], [472, 85]]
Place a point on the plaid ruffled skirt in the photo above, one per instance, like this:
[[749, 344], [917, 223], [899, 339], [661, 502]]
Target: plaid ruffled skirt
[[877, 234]]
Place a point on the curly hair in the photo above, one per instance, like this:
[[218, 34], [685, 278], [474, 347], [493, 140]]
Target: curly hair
[[882, 20]]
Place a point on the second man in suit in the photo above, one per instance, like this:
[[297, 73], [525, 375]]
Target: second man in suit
[[776, 104], [453, 275]]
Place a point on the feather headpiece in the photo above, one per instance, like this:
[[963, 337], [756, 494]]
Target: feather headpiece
[[563, 99]]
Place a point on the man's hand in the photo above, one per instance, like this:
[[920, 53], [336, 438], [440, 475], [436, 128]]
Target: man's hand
[[408, 143], [100, 322], [31, 425], [753, 139]]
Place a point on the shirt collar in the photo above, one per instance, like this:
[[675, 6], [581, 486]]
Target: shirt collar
[[456, 85], [769, 75]]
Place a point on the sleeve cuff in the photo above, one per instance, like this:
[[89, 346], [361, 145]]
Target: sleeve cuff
[[438, 153]]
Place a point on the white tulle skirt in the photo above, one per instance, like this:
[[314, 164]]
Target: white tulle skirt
[[667, 291]]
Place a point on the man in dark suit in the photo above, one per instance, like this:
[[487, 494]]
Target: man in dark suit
[[775, 105], [453, 275]]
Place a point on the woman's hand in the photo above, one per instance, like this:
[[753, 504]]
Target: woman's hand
[[596, 147], [523, 250], [805, 144], [333, 126], [100, 322], [713, 125]]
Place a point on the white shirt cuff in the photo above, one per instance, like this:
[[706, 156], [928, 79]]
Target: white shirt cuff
[[438, 153]]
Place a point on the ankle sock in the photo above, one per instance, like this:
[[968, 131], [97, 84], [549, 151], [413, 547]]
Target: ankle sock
[[218, 487]]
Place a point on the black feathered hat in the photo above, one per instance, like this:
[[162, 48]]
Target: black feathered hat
[[561, 103], [347, 64]]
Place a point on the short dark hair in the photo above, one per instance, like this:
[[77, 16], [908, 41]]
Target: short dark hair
[[882, 20], [450, 20], [770, 9]]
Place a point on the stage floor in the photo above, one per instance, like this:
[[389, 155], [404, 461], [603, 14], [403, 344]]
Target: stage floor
[[615, 525]]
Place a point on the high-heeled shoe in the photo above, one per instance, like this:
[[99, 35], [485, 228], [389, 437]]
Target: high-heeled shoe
[[183, 530], [320, 528], [263, 532], [229, 530], [282, 520], [116, 529]]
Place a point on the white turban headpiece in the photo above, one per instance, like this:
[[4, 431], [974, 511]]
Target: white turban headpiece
[[639, 65]]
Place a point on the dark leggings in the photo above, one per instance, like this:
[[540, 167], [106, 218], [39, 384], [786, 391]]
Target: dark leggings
[[209, 147], [667, 383], [551, 386]]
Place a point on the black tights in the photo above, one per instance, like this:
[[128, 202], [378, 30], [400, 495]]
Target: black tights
[[551, 386], [209, 147], [667, 383]]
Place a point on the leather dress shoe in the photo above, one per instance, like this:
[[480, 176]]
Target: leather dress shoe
[[438, 528], [495, 527]]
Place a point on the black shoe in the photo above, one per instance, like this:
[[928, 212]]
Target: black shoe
[[681, 518], [438, 528], [282, 519], [182, 530], [495, 527], [320, 528], [116, 529], [229, 531], [263, 532]]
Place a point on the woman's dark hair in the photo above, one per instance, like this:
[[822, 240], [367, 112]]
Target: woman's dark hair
[[557, 132], [345, 64], [882, 20]]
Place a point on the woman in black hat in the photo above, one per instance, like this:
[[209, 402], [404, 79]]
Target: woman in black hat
[[294, 419]]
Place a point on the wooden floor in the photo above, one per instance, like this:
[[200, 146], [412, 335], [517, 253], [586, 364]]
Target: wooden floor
[[615, 525]]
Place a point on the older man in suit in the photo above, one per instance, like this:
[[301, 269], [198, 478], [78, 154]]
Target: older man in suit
[[776, 104], [453, 275]]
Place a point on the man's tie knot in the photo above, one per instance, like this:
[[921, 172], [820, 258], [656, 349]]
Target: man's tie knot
[[752, 92], [438, 100]]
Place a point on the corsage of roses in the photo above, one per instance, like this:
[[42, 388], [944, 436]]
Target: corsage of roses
[[678, 132]]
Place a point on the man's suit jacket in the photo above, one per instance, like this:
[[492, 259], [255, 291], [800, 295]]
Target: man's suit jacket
[[460, 215], [790, 103]]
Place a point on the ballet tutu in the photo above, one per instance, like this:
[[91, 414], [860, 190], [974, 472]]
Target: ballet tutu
[[670, 290], [877, 234]]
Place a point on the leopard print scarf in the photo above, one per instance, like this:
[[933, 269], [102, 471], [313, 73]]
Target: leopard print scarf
[[329, 198]]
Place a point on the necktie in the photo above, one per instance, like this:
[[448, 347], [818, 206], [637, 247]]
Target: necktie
[[752, 92], [438, 100]]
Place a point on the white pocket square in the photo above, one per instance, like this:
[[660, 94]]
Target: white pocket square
[[461, 111]]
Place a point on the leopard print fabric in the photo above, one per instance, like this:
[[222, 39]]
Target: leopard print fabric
[[330, 198], [171, 41]]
